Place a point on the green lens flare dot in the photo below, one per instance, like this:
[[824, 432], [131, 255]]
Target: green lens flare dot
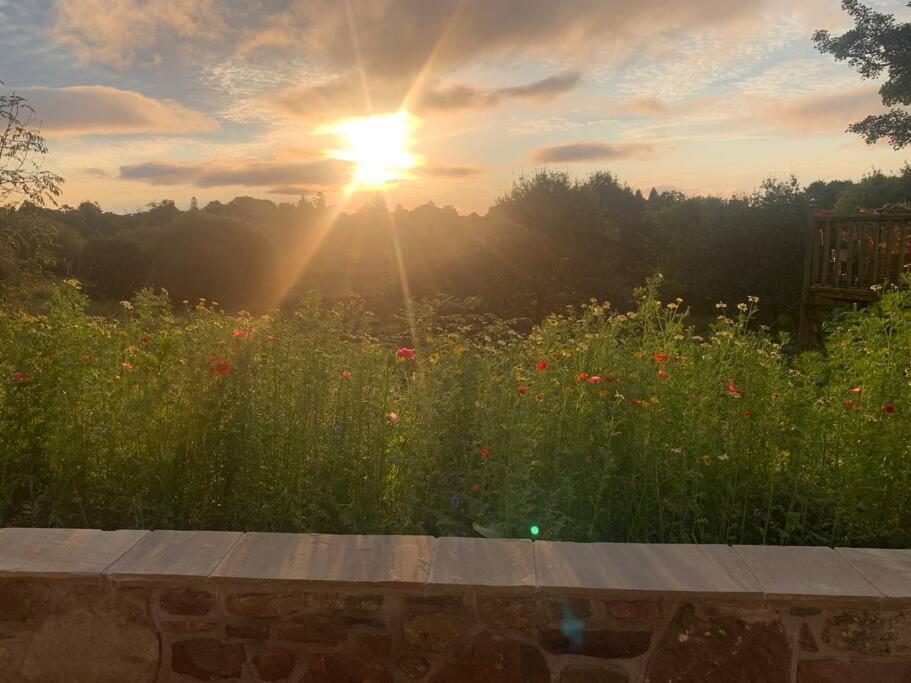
[[534, 530]]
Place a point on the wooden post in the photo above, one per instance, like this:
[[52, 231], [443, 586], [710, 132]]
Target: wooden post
[[804, 333]]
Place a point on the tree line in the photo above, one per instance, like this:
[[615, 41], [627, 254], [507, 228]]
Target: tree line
[[549, 242]]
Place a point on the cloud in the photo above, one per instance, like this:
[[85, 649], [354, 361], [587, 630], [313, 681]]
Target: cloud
[[251, 173], [101, 110], [121, 32], [826, 112], [593, 151], [452, 172], [290, 191], [96, 172], [455, 97]]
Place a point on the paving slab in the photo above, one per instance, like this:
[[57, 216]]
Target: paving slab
[[804, 572], [483, 562], [695, 570], [62, 553], [397, 560], [174, 554], [888, 570]]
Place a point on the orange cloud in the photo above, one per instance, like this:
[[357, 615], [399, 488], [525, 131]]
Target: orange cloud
[[593, 151], [101, 110], [826, 112], [248, 173]]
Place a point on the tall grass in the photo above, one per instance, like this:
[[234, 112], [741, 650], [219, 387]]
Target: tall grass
[[598, 425]]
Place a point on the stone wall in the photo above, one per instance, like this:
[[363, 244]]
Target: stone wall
[[85, 605]]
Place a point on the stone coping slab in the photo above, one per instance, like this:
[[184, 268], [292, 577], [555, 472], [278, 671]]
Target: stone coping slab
[[789, 572], [710, 570], [62, 553], [410, 562]]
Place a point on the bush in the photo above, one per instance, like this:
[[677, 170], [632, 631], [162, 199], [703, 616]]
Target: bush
[[597, 425]]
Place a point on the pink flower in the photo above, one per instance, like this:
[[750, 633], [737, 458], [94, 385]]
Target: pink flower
[[405, 353], [240, 334], [856, 390], [219, 367], [345, 374], [849, 404], [733, 389], [392, 417], [636, 402], [662, 374], [19, 376], [270, 338], [594, 379], [126, 366]]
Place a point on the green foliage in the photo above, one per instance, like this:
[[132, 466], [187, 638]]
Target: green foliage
[[305, 421], [877, 43]]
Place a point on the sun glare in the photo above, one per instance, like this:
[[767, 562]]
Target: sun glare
[[379, 146]]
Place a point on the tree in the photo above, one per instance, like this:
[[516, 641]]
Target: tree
[[877, 43], [21, 149]]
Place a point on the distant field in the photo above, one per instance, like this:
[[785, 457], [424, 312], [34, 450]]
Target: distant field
[[598, 425]]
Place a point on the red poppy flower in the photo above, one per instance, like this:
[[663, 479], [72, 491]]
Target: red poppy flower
[[541, 365], [240, 334], [856, 390], [582, 376], [86, 360], [345, 374], [126, 366], [145, 339], [608, 378], [848, 404], [733, 389], [219, 367], [747, 413], [660, 357], [19, 376], [270, 338], [889, 408], [485, 452], [594, 379], [523, 390], [662, 374], [476, 488], [636, 402], [393, 417], [405, 353]]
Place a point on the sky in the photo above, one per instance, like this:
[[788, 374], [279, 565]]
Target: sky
[[142, 100]]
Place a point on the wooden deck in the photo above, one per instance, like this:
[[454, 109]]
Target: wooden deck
[[847, 256]]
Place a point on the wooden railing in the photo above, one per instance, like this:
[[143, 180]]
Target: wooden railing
[[851, 253]]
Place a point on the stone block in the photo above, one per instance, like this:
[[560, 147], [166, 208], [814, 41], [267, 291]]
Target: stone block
[[207, 659], [274, 663], [186, 601], [596, 642], [434, 632], [490, 657], [267, 605], [838, 671], [885, 633], [336, 668]]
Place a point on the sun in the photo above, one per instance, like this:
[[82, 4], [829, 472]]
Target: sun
[[379, 146]]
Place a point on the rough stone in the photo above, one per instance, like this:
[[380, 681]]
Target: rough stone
[[316, 630], [871, 633], [720, 647], [188, 626], [266, 605], [490, 657], [639, 611], [823, 671], [589, 674], [186, 601], [252, 631], [604, 643], [434, 632], [207, 659], [363, 604], [803, 611], [507, 613], [334, 668], [413, 666], [376, 644], [274, 663], [93, 637], [17, 600], [806, 640], [422, 604], [554, 610]]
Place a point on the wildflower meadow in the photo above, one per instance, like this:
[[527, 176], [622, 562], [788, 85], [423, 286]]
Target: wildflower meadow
[[598, 425]]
